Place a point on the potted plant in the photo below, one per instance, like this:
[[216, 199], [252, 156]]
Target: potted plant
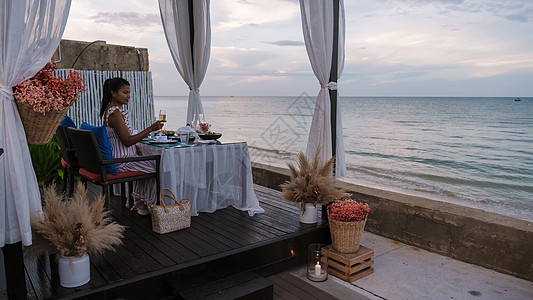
[[347, 219], [310, 184], [72, 229], [46, 161], [43, 100]]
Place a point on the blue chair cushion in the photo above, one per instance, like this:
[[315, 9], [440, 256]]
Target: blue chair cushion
[[103, 142], [67, 122]]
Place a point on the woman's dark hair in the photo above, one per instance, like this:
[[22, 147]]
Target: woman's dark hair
[[111, 84]]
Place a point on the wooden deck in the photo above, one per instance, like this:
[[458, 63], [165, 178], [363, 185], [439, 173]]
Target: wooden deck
[[225, 244]]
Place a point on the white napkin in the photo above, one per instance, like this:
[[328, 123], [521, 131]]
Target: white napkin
[[161, 138], [185, 129], [189, 130]]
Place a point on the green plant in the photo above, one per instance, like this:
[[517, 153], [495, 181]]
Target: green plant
[[46, 161]]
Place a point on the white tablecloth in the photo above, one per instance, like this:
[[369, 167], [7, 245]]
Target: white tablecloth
[[211, 176]]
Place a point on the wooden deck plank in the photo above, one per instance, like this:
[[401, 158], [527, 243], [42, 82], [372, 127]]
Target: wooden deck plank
[[292, 287], [217, 244], [194, 243], [165, 245], [31, 287], [208, 232], [152, 249], [143, 225], [247, 223], [279, 216], [136, 257], [282, 290], [40, 281], [215, 226], [276, 221], [104, 269], [120, 266], [234, 228]]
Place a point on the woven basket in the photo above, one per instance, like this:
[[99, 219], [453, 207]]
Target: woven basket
[[39, 128], [346, 236]]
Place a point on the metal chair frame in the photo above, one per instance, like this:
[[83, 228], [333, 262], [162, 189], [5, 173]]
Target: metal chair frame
[[91, 161], [68, 154]]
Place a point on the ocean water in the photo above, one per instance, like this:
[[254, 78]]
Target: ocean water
[[472, 151]]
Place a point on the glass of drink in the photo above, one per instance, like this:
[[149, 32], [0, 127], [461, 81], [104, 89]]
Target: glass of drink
[[162, 115], [184, 138]]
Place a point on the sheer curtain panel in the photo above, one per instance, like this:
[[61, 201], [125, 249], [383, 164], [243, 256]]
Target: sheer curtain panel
[[30, 33], [317, 25], [187, 29]]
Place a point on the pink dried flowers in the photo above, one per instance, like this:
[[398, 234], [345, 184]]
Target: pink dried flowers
[[348, 210], [47, 92], [204, 127]]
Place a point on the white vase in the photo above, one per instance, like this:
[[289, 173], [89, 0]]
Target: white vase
[[74, 271], [310, 215]]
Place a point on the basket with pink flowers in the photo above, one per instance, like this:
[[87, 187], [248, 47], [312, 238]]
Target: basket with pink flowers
[[43, 100], [347, 219]]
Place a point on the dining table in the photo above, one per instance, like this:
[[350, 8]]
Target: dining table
[[211, 174]]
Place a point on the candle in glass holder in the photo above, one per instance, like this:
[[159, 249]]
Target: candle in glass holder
[[317, 264]]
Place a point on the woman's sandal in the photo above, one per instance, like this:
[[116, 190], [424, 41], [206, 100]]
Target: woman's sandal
[[143, 212]]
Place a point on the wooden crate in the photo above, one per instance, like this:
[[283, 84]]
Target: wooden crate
[[350, 266]]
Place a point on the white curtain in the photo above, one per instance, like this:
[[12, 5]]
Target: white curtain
[[30, 33], [317, 23], [192, 65]]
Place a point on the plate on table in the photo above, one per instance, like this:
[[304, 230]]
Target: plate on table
[[163, 142], [177, 138], [204, 136]]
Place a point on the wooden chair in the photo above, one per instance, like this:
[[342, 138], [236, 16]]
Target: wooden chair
[[92, 165], [69, 161]]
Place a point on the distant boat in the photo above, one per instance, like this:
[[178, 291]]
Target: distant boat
[[517, 99]]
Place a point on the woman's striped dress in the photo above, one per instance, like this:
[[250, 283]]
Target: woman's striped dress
[[143, 190]]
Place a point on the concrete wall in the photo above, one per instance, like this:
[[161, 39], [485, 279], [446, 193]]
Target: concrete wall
[[98, 57], [491, 240]]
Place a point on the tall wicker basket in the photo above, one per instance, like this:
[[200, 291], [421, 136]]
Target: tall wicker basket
[[39, 128], [346, 236]]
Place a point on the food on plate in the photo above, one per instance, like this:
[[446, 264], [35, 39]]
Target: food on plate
[[168, 132]]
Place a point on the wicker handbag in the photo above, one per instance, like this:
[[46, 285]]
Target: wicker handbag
[[168, 218], [346, 236], [39, 128]]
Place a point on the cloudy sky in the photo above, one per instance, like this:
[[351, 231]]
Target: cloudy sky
[[393, 47]]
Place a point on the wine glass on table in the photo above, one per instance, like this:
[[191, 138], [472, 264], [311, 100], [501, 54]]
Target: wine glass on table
[[197, 119]]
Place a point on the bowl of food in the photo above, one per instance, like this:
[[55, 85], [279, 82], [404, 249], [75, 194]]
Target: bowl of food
[[169, 132], [209, 135]]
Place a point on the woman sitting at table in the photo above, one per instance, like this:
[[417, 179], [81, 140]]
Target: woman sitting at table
[[116, 92]]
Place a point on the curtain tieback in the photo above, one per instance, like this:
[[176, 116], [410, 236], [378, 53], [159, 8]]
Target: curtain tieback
[[6, 90], [332, 86], [195, 90]]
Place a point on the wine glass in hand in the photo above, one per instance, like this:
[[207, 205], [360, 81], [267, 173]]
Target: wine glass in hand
[[162, 116]]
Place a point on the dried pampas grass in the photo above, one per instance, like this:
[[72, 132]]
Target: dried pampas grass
[[311, 183], [72, 227]]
